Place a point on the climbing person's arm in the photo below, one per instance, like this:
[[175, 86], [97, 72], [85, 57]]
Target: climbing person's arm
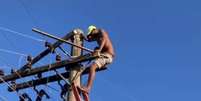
[[102, 44], [103, 40]]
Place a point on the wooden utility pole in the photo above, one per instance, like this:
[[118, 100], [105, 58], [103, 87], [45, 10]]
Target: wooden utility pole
[[77, 39]]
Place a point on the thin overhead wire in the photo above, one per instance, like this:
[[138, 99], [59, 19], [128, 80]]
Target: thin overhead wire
[[21, 54], [50, 60], [3, 98], [20, 61], [51, 91], [8, 40], [12, 88], [8, 83], [27, 12], [65, 52], [21, 76], [13, 46], [5, 62], [17, 53], [21, 34], [12, 52], [62, 77], [52, 88]]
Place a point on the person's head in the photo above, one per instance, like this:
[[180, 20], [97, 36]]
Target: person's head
[[92, 33]]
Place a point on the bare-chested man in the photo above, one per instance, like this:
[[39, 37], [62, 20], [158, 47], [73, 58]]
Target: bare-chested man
[[105, 48]]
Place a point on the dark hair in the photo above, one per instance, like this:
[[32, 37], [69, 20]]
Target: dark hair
[[94, 35]]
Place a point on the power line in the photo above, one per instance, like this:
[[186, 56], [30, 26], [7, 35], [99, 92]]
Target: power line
[[19, 62], [5, 63], [21, 34], [8, 40], [12, 52], [27, 12], [12, 88], [3, 98]]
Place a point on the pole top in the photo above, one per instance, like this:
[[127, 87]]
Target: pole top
[[78, 31]]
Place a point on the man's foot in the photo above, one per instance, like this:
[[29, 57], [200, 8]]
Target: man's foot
[[84, 89]]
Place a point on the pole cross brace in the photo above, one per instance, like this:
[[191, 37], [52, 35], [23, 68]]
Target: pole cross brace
[[45, 68], [46, 80]]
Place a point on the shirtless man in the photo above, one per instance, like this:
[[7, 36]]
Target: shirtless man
[[105, 49]]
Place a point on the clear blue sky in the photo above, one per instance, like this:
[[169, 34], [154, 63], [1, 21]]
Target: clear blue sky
[[157, 42]]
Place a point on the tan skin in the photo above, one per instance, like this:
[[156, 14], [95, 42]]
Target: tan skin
[[105, 46]]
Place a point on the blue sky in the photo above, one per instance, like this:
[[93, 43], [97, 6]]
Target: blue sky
[[157, 43]]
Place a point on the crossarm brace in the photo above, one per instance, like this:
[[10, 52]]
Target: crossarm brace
[[45, 80], [45, 68]]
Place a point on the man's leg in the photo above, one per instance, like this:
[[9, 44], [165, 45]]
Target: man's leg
[[92, 75], [91, 78]]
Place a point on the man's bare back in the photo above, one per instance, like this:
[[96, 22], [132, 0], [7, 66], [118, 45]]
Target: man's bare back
[[107, 45]]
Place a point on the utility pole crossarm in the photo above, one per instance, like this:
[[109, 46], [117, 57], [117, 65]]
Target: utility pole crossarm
[[48, 67], [46, 80], [46, 52], [36, 82]]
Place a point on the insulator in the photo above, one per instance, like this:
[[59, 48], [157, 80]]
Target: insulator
[[1, 72], [29, 58], [12, 71], [13, 82], [29, 65], [39, 75], [47, 44], [58, 57], [50, 46]]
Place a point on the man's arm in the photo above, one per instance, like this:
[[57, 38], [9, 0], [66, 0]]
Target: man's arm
[[103, 40], [102, 44]]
